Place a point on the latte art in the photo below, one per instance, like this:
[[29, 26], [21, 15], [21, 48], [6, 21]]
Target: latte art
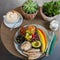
[[12, 16]]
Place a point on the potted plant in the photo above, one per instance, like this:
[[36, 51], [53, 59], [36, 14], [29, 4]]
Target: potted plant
[[29, 9], [50, 10]]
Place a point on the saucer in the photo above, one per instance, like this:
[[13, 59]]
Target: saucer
[[16, 25]]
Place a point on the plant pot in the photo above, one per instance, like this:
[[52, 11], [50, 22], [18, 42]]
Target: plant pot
[[28, 16], [46, 17]]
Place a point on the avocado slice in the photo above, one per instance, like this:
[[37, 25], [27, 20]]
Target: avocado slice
[[36, 44]]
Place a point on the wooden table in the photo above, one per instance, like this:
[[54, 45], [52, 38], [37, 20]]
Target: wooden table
[[7, 36]]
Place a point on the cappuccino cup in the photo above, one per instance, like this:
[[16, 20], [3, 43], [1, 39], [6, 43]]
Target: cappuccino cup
[[12, 17]]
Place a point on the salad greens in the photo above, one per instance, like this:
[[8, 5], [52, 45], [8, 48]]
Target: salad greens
[[30, 7], [51, 8]]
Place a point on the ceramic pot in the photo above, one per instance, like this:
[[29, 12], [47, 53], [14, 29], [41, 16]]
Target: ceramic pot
[[46, 17], [28, 16]]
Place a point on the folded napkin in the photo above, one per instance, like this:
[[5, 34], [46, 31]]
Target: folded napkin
[[52, 44], [52, 40]]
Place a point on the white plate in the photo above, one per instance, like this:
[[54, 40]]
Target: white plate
[[17, 24], [17, 46]]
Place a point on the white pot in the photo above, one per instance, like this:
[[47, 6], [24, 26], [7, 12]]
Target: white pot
[[46, 17]]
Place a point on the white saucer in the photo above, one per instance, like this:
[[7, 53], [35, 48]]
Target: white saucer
[[15, 24]]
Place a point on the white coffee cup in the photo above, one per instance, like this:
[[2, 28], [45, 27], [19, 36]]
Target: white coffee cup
[[12, 17]]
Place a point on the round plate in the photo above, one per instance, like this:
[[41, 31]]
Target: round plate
[[17, 46], [14, 25]]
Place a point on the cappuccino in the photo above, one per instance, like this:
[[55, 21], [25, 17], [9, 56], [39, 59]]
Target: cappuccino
[[12, 16]]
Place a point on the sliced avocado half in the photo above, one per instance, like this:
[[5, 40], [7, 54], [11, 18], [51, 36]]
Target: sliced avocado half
[[36, 44]]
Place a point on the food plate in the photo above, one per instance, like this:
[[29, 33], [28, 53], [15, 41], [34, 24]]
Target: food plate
[[14, 25], [18, 45]]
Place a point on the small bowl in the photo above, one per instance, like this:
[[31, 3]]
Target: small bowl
[[46, 18]]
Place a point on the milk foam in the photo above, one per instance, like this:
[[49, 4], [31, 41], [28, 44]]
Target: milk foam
[[12, 16]]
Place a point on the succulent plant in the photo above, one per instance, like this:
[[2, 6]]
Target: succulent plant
[[51, 8], [30, 7]]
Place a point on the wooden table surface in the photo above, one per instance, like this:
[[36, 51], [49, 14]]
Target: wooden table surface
[[7, 36]]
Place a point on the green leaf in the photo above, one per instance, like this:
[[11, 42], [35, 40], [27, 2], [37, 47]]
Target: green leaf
[[51, 8], [30, 7]]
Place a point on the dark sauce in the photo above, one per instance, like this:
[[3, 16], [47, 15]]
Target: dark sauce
[[20, 39]]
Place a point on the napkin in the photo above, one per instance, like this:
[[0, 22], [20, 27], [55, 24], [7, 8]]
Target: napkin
[[52, 40], [52, 45]]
